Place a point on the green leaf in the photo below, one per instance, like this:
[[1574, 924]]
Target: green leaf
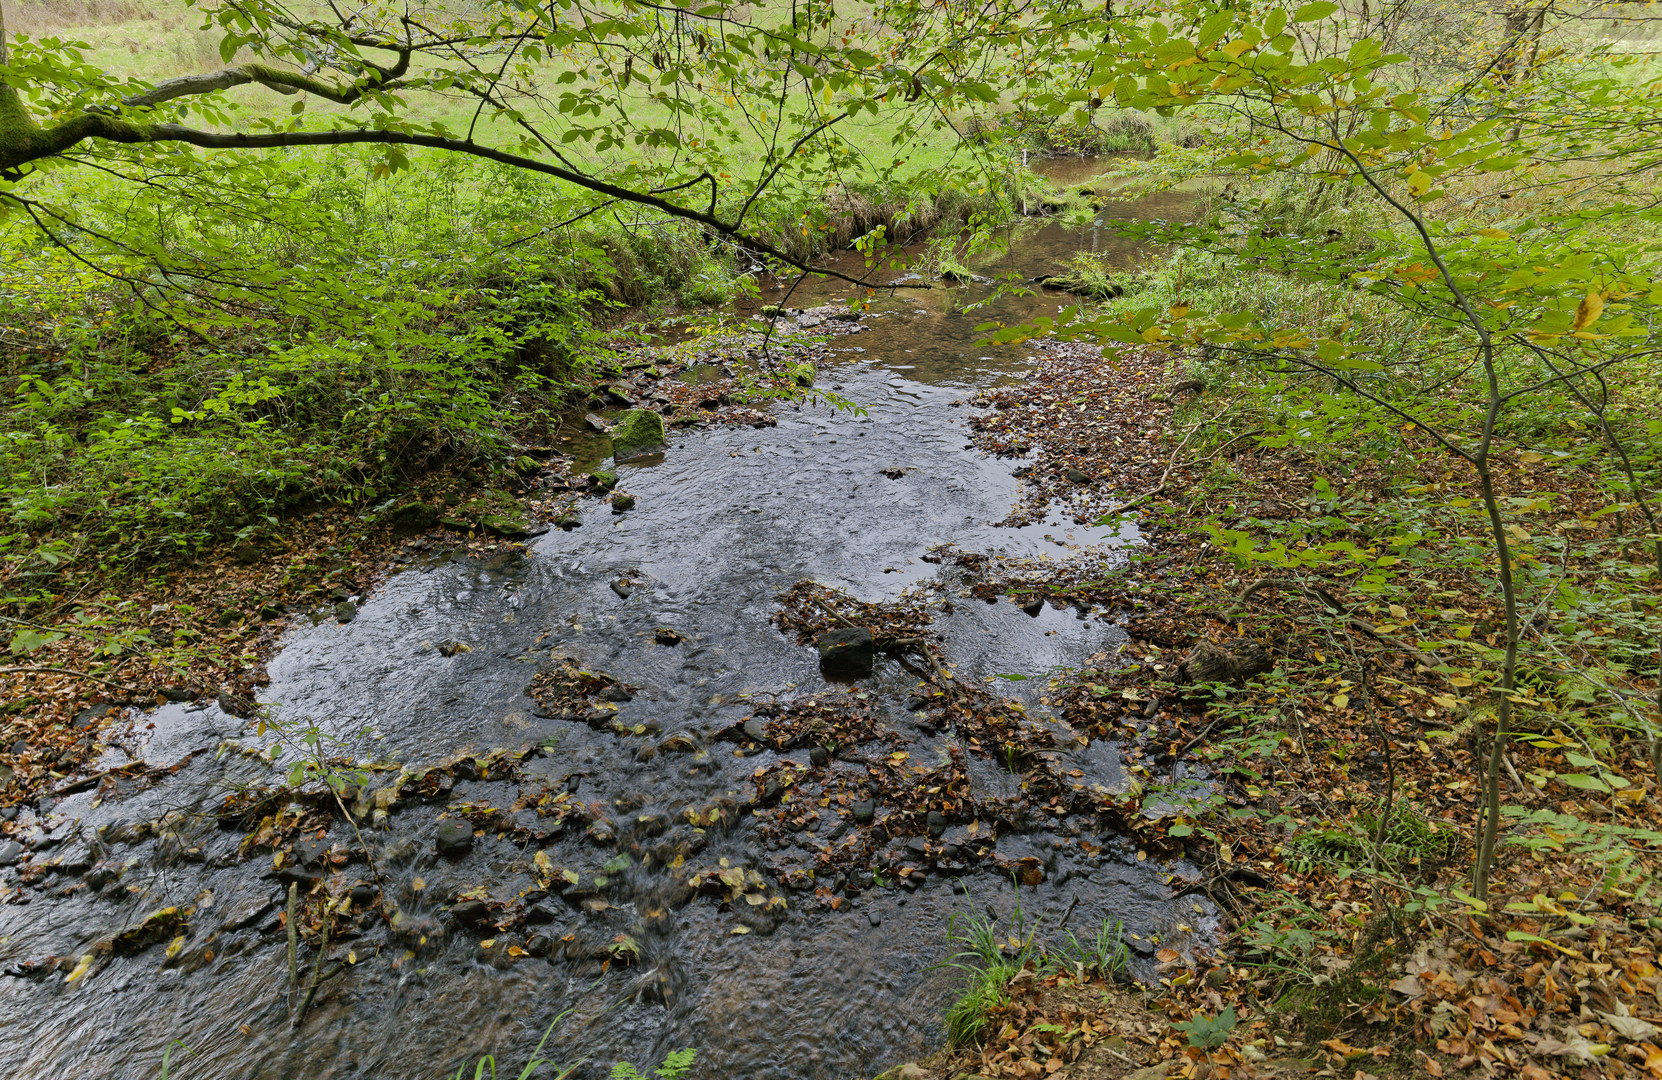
[[1321, 9], [1180, 830], [27, 641], [1584, 782]]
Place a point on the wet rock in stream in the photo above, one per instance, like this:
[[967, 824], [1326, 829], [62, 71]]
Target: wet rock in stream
[[847, 651], [454, 837]]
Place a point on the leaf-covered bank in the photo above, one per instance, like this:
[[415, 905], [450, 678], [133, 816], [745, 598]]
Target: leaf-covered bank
[[1313, 654]]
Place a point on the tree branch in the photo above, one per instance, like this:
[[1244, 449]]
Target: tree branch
[[273, 78]]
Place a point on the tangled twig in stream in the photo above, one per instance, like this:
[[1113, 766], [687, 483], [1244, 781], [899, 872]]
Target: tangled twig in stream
[[809, 609]]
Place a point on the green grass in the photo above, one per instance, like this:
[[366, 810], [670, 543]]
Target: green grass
[[991, 959]]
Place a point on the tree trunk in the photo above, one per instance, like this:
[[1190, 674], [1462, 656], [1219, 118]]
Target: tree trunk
[[1489, 814]]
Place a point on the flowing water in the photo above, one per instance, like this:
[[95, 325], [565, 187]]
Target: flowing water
[[727, 519]]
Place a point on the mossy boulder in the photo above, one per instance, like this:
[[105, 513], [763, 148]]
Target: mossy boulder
[[412, 518], [637, 432]]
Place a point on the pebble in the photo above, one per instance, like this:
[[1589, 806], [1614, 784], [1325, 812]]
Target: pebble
[[11, 852], [874, 918]]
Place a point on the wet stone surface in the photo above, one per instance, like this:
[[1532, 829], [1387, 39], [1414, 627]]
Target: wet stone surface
[[708, 841]]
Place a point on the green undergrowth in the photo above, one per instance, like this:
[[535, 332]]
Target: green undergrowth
[[990, 958], [227, 364]]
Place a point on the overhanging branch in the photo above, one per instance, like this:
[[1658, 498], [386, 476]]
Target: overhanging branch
[[273, 78]]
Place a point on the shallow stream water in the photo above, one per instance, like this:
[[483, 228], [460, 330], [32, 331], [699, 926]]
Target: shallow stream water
[[727, 519]]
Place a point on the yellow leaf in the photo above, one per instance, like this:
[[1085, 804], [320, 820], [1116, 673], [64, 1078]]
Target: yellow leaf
[[176, 946], [741, 930], [1236, 48], [1588, 311], [1398, 612], [1495, 234], [515, 950], [1530, 457], [1226, 853], [1341, 700], [487, 943], [81, 969]]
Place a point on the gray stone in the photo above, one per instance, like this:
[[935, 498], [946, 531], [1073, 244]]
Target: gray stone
[[455, 837], [595, 423], [1075, 476], [864, 811], [622, 502], [11, 852], [756, 729], [850, 651], [346, 611], [818, 756], [874, 918], [936, 823]]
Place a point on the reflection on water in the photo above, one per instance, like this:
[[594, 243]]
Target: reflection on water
[[727, 519]]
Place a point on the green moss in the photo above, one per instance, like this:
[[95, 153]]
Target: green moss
[[636, 432]]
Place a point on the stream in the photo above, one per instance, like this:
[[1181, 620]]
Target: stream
[[767, 986]]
